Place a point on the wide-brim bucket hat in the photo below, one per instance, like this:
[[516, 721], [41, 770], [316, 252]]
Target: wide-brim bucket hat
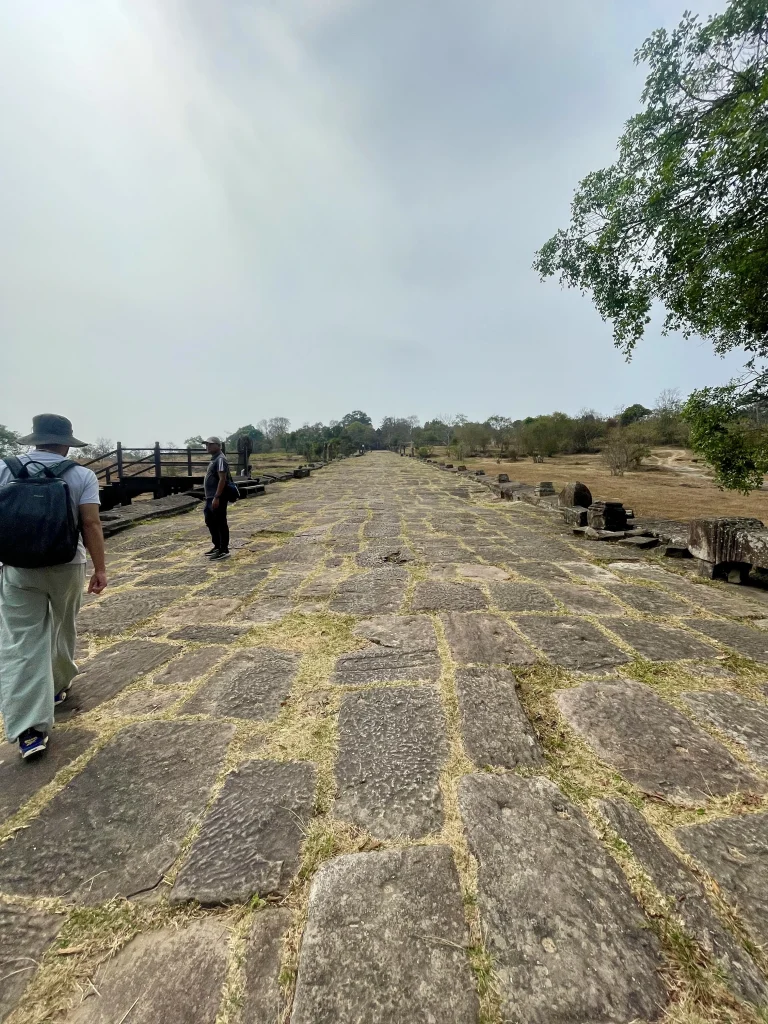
[[48, 428]]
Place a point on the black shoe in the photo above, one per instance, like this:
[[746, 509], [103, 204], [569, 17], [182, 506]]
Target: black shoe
[[32, 743], [219, 555], [211, 553]]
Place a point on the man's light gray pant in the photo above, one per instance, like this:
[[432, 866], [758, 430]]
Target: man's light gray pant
[[38, 608]]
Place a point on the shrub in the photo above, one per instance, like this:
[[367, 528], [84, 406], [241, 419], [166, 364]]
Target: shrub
[[622, 453]]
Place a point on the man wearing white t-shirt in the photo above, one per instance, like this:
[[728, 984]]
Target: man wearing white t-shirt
[[38, 607]]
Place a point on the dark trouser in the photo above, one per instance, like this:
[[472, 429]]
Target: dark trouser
[[216, 521]]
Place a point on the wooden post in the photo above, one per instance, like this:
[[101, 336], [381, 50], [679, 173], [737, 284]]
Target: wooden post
[[158, 461], [189, 462], [106, 477], [119, 460]]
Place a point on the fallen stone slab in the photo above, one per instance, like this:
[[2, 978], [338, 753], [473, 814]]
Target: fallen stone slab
[[494, 727], [391, 749], [521, 597], [24, 936], [112, 670], [252, 684], [116, 613], [476, 637], [652, 744], [386, 941], [752, 643], [262, 999], [742, 720], [677, 882], [175, 975], [571, 642], [249, 842], [660, 643], [403, 647], [20, 780], [568, 940], [431, 595], [117, 827], [376, 592], [191, 665], [581, 600], [728, 547], [734, 851]]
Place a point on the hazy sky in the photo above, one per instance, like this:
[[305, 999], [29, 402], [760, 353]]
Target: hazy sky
[[215, 212]]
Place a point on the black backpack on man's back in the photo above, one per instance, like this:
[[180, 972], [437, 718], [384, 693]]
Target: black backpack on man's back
[[37, 522]]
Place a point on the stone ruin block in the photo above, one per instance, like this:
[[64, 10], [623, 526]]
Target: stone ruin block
[[575, 494], [479, 472], [607, 515], [448, 465], [544, 488], [575, 516], [727, 547], [461, 469], [503, 478]]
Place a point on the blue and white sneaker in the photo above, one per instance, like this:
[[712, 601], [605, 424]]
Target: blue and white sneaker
[[32, 743], [60, 697]]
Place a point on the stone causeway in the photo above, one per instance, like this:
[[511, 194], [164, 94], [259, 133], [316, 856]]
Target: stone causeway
[[413, 755]]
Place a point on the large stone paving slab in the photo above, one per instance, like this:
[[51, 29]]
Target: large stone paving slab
[[735, 853], [191, 665], [652, 744], [118, 612], [111, 671], [262, 1001], [571, 642], [236, 583], [250, 840], [744, 721], [391, 748], [254, 683], [200, 610], [752, 643], [116, 828], [475, 637], [385, 942], [174, 975], [431, 595], [569, 941], [24, 937], [660, 643], [403, 647], [376, 592], [494, 727], [677, 882], [521, 597], [190, 576], [20, 780], [648, 600], [582, 600]]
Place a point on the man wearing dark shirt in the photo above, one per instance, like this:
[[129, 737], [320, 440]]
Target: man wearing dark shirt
[[215, 485]]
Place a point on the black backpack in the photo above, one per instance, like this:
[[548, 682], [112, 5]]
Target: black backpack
[[37, 523]]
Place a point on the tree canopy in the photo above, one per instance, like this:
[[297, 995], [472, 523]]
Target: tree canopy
[[681, 218]]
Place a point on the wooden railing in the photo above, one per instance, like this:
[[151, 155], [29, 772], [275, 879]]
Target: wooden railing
[[123, 462]]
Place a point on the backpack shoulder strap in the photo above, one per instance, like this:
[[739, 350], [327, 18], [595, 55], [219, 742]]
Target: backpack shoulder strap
[[16, 467], [59, 468]]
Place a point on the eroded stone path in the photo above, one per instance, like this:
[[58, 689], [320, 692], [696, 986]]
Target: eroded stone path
[[411, 756]]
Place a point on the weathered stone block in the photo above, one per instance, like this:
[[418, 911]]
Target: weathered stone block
[[742, 720], [475, 637], [403, 647], [494, 727], [20, 780], [572, 643], [433, 596], [652, 744], [576, 516], [521, 597], [250, 840], [191, 665], [727, 546], [252, 684], [569, 942], [262, 1000], [112, 670], [752, 643], [573, 494], [677, 882], [118, 612], [391, 749], [378, 591], [735, 853], [386, 941], [660, 643], [117, 827]]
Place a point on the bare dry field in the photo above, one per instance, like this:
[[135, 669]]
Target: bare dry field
[[670, 485]]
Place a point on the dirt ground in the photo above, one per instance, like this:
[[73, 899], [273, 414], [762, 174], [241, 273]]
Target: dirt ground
[[670, 485]]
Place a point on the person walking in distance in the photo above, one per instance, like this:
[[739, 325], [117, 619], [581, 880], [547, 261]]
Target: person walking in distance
[[217, 499], [49, 517]]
